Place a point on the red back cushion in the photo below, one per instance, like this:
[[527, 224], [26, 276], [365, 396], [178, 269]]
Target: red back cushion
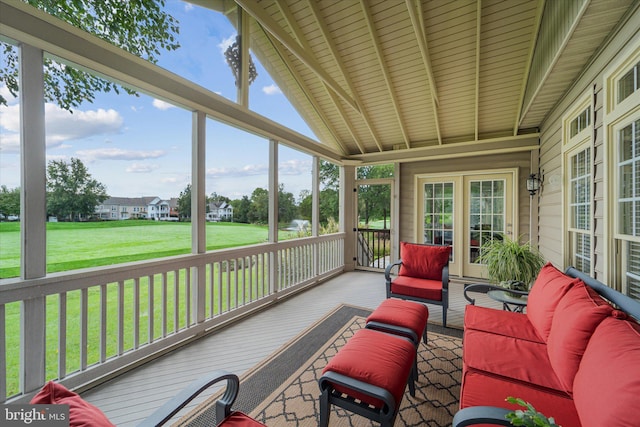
[[607, 385], [81, 412], [423, 261], [546, 292], [577, 315]]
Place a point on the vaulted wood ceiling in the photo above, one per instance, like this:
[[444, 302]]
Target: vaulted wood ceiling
[[375, 76]]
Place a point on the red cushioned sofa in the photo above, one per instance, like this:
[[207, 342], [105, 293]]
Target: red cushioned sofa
[[574, 355]]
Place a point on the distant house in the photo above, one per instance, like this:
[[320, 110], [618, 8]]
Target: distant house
[[219, 211], [120, 208]]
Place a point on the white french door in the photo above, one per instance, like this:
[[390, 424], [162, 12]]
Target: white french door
[[464, 211]]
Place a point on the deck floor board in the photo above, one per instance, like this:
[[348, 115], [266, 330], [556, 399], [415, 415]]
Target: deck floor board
[[129, 398]]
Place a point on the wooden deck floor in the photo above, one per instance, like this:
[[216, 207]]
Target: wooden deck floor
[[129, 398]]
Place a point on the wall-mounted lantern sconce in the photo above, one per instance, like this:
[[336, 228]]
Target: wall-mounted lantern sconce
[[534, 182]]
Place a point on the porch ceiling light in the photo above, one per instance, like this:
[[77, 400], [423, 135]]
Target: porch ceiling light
[[534, 182]]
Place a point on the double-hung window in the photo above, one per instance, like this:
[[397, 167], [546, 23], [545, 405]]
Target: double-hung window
[[578, 173]]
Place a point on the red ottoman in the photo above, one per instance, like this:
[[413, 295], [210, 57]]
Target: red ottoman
[[401, 317], [368, 376]]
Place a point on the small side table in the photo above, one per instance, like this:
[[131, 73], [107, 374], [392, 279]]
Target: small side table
[[509, 303]]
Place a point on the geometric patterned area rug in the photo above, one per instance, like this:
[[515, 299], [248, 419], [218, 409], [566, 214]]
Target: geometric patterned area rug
[[283, 390]]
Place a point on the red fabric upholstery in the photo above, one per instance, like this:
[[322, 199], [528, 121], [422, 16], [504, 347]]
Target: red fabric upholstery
[[480, 388], [500, 322], [407, 314], [238, 419], [375, 358], [414, 287], [495, 353], [423, 261], [549, 287], [81, 412], [607, 385], [577, 315]]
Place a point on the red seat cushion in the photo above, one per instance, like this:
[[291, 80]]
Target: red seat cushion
[[607, 385], [423, 261], [81, 412], [508, 357], [500, 322], [549, 287], [480, 388], [420, 288], [238, 419], [577, 315], [376, 358], [407, 314]]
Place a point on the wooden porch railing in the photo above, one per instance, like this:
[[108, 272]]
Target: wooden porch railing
[[82, 327]]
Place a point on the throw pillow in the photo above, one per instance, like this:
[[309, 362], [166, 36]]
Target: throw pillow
[[81, 412]]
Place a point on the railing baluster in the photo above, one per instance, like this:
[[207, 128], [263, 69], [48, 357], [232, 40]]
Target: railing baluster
[[164, 304], [120, 317], [176, 301], [62, 335], [187, 297], [136, 313], [150, 307], [3, 354], [103, 323], [84, 324]]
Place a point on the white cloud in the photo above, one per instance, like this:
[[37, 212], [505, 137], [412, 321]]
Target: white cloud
[[141, 168], [271, 90], [225, 43], [295, 167], [61, 125], [118, 154], [4, 92], [162, 105], [188, 7]]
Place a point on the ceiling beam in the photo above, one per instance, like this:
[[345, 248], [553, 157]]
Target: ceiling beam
[[417, 21], [509, 144], [291, 21], [385, 70], [525, 77], [271, 26], [345, 74], [478, 34], [303, 88]]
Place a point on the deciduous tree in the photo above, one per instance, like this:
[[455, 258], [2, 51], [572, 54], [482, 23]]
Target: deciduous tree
[[141, 27], [71, 191], [9, 201]]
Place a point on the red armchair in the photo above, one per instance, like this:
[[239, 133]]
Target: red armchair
[[423, 275]]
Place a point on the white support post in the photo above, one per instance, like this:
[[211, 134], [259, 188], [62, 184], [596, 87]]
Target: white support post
[[198, 212], [244, 37], [348, 215], [395, 214], [315, 210], [273, 212], [32, 215]]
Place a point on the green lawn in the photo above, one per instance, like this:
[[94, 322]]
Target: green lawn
[[90, 244], [78, 245]]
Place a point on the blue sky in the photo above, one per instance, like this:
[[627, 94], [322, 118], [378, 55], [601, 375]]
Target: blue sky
[[140, 146]]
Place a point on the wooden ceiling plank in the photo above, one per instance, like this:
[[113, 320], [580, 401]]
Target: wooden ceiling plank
[[416, 15], [477, 94], [272, 27], [337, 59], [525, 75], [304, 88], [385, 71], [291, 21]]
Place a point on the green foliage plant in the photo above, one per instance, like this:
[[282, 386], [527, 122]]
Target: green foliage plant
[[528, 417], [509, 260]]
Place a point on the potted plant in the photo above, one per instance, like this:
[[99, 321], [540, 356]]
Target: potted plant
[[511, 264], [528, 417]]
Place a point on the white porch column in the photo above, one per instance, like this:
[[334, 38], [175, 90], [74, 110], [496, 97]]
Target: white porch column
[[198, 212], [273, 213], [348, 214], [33, 211], [243, 77]]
